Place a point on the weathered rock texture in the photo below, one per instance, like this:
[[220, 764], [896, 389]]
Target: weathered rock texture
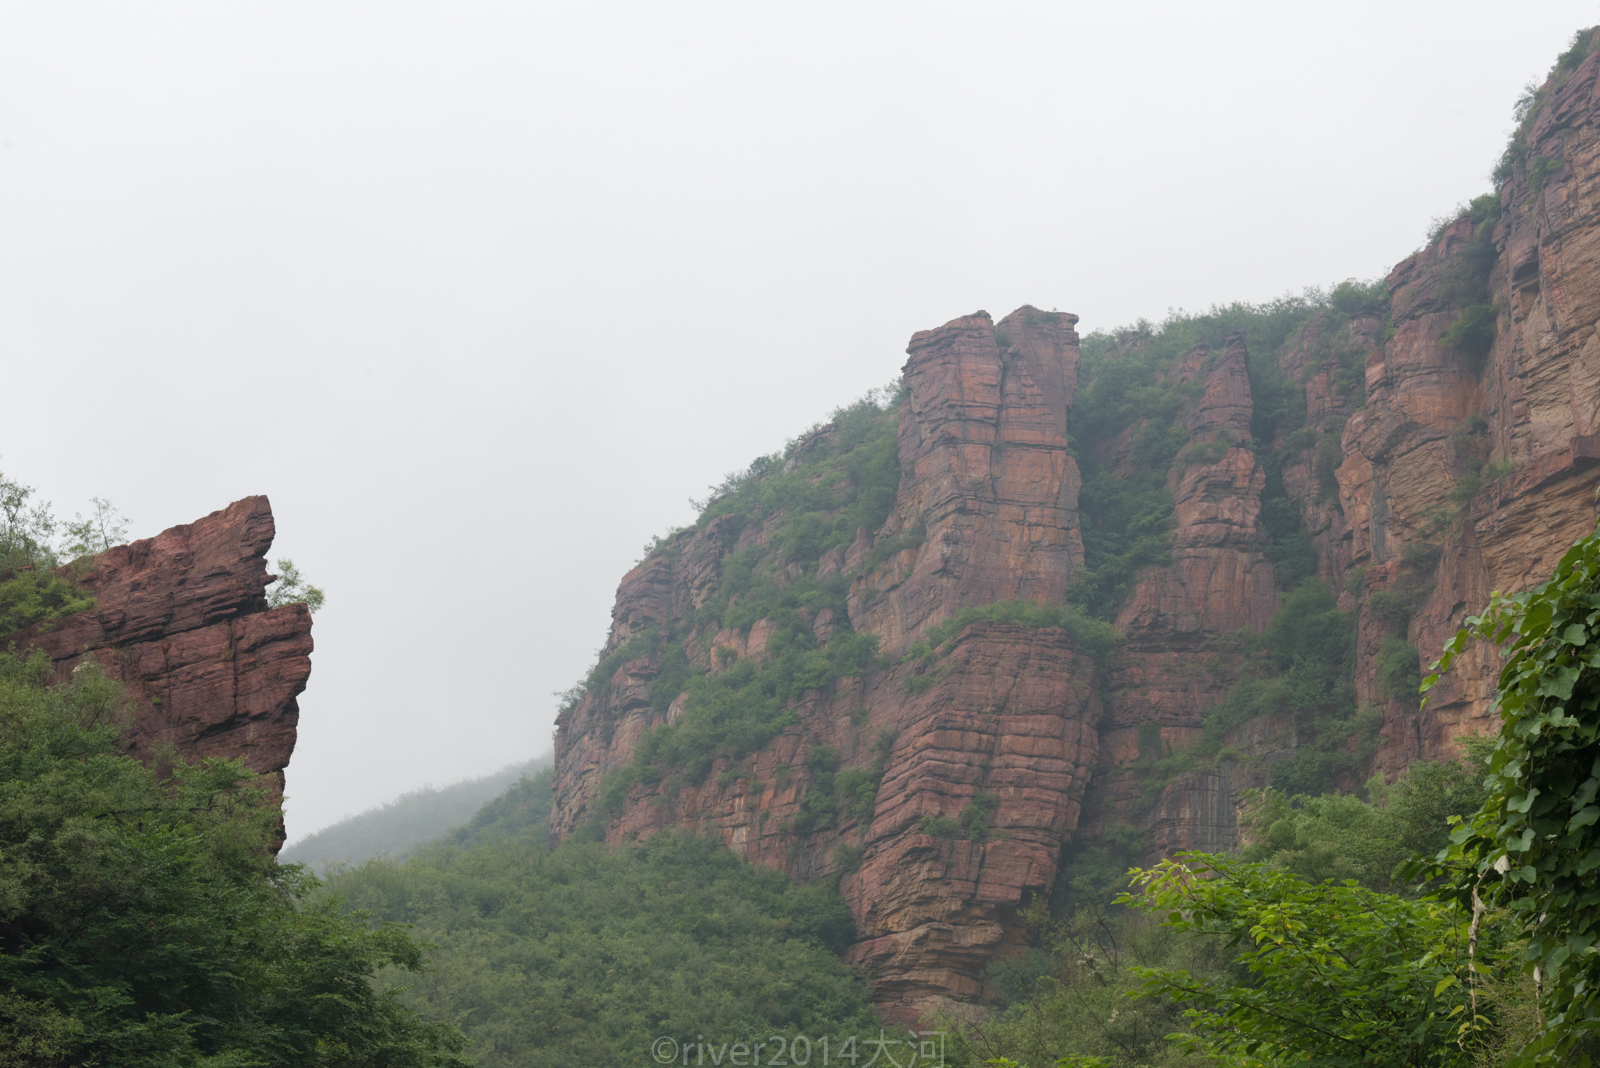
[[986, 471], [1435, 425], [1425, 480], [182, 621], [1167, 674]]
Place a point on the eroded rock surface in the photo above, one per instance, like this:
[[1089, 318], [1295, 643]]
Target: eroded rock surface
[[182, 621], [1426, 475]]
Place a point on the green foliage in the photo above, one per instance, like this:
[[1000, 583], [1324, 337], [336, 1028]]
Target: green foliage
[[1473, 333], [1126, 527], [821, 490], [1395, 606], [1533, 848], [143, 921], [973, 822], [808, 501], [585, 954], [738, 711], [1339, 975], [34, 596], [1288, 542], [1309, 657], [1399, 669], [396, 828], [1094, 870], [1127, 513], [1352, 297], [1533, 97], [978, 814], [100, 531], [1094, 637], [1340, 836], [292, 589], [1067, 999], [27, 530]]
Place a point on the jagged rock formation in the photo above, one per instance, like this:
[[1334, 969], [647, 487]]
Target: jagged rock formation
[[1426, 471], [182, 621]]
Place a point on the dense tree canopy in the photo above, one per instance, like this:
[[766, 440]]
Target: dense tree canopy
[[143, 921], [587, 954]]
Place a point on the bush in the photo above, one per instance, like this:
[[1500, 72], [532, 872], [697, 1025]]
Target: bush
[[30, 597], [1472, 335], [1306, 673], [1399, 673], [1092, 636]]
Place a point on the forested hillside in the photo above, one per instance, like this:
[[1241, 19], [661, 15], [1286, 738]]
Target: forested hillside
[[396, 828], [588, 954]]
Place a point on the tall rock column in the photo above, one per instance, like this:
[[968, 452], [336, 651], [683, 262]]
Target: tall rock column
[[996, 738], [985, 472]]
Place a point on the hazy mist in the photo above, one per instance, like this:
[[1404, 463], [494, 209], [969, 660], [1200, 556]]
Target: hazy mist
[[481, 294]]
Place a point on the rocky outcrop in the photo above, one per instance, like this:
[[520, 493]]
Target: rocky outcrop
[[182, 621], [1008, 724], [1468, 473], [1427, 470], [986, 472]]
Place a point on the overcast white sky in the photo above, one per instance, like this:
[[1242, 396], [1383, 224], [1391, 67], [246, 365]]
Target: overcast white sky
[[480, 294]]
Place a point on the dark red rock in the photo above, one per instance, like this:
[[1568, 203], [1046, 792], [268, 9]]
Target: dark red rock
[[182, 621]]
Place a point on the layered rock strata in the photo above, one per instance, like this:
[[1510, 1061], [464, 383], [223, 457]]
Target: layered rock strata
[[1168, 674], [181, 620], [1462, 476], [988, 478], [1427, 473]]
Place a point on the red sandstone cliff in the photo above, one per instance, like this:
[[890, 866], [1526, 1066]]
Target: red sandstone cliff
[[1426, 477], [182, 621]]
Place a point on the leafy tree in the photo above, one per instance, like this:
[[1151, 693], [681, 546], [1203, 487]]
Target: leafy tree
[[1340, 836], [290, 588], [103, 529], [1067, 999], [27, 531], [144, 922], [1532, 850], [1339, 975]]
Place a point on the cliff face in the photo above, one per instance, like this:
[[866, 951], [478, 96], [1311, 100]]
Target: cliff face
[[182, 621], [1487, 464], [1425, 464]]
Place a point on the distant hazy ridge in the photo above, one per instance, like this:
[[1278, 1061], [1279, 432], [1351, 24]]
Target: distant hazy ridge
[[398, 827]]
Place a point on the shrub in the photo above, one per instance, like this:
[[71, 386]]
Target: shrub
[[1092, 636], [1472, 335], [30, 597], [1398, 669], [978, 814]]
